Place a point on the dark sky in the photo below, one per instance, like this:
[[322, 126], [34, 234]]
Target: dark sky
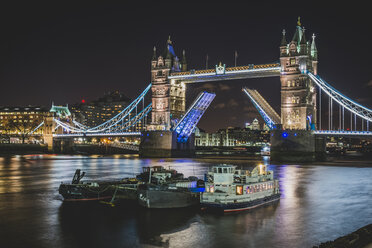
[[66, 52]]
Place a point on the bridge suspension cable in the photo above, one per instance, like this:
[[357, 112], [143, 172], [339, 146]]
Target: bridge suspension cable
[[36, 128], [114, 122], [352, 106], [119, 117]]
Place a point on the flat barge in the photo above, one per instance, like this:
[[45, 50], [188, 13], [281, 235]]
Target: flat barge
[[79, 190]]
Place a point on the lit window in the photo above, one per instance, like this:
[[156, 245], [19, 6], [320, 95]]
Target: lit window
[[239, 189]]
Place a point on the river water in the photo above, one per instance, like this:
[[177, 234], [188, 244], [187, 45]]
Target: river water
[[318, 203]]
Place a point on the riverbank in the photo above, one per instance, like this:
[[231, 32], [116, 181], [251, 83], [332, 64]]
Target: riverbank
[[361, 238], [21, 149]]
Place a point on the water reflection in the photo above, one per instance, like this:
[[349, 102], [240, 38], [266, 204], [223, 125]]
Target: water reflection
[[318, 203]]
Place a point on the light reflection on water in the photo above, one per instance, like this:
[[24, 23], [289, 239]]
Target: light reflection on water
[[318, 203]]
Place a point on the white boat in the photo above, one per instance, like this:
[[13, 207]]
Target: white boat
[[229, 189], [265, 151]]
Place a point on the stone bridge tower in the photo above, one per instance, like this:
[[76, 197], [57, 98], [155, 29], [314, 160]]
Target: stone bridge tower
[[168, 97], [298, 94]]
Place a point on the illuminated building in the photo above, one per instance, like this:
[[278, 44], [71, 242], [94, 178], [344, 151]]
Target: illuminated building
[[255, 125], [232, 136], [96, 112], [298, 94], [21, 121], [168, 96]]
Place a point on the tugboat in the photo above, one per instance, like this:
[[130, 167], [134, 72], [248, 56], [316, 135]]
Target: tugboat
[[166, 188], [229, 189], [78, 190]]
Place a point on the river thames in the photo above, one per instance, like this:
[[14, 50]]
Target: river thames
[[318, 203]]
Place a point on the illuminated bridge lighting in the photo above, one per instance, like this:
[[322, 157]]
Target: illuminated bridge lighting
[[114, 124], [239, 72], [72, 135], [343, 133], [269, 115], [189, 121], [341, 99]]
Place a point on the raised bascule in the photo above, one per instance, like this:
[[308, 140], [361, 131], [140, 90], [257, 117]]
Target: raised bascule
[[296, 132]]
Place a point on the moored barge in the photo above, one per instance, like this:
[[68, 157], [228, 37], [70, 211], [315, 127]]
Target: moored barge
[[79, 190], [166, 188]]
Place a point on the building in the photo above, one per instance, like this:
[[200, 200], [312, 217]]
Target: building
[[168, 96], [98, 111], [232, 136], [254, 125], [18, 123], [298, 94]]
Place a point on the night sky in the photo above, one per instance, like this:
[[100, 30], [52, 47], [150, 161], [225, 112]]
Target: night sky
[[69, 52]]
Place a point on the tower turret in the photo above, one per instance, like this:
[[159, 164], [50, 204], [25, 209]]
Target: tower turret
[[303, 43], [154, 59], [283, 45], [168, 56], [314, 56], [183, 62]]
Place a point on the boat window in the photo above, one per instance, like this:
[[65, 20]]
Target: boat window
[[215, 170], [224, 170], [239, 189], [219, 170]]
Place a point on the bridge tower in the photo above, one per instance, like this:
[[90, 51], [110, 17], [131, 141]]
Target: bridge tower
[[298, 94], [298, 102], [168, 96], [168, 107]]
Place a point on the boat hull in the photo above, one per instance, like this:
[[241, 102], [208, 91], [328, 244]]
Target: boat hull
[[152, 198], [72, 192], [241, 206]]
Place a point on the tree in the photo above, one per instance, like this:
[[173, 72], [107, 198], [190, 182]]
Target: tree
[[23, 126]]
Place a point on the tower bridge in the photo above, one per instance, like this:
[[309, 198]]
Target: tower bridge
[[170, 129], [221, 72]]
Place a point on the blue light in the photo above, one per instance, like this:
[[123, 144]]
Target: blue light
[[284, 134], [147, 134], [295, 134], [161, 134]]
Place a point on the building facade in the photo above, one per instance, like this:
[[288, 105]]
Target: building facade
[[232, 136], [298, 94], [254, 125], [98, 111], [21, 121], [168, 96]]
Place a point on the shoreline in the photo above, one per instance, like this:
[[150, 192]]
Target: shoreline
[[361, 238]]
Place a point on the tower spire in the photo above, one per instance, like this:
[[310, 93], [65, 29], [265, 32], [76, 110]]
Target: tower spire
[[314, 51], [183, 61], [298, 34], [284, 40], [303, 38], [154, 54]]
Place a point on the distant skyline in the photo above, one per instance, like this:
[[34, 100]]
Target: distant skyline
[[65, 53]]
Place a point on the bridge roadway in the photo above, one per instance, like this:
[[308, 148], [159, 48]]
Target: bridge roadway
[[77, 135], [123, 134], [343, 133], [229, 73]]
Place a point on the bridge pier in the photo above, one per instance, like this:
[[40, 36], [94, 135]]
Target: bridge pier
[[163, 144], [65, 145], [296, 146]]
